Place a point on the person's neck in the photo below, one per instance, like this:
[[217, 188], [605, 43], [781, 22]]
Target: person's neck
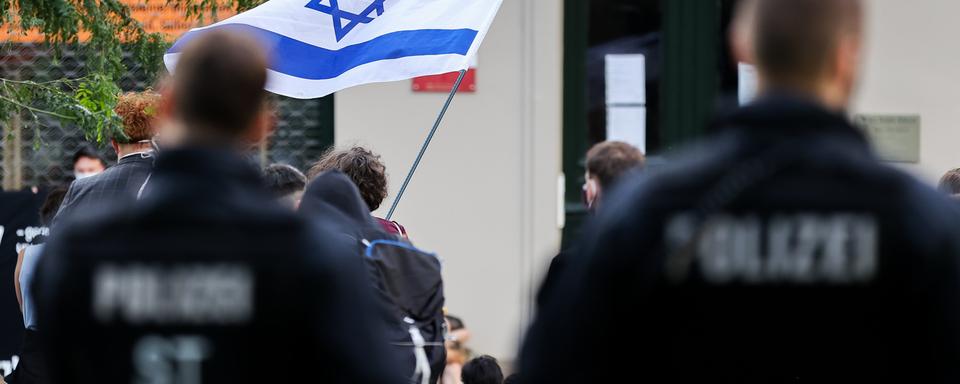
[[129, 149], [828, 95], [833, 97]]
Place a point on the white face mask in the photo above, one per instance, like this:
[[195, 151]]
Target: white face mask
[[83, 175]]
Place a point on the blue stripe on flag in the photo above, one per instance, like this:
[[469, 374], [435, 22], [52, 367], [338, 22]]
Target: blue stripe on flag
[[296, 58]]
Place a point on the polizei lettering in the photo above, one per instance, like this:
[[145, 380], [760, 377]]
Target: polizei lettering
[[188, 294], [795, 249]]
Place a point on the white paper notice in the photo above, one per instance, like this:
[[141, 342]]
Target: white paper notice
[[747, 83], [628, 124], [626, 79]]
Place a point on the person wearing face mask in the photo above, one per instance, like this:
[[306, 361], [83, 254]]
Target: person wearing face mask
[[207, 279], [135, 160], [606, 163], [87, 162]]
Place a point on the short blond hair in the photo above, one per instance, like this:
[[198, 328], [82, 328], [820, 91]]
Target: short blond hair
[[138, 110]]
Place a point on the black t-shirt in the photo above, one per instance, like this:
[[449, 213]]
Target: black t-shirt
[[779, 251], [205, 280]]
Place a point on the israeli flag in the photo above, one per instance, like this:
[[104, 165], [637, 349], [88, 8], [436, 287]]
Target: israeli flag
[[318, 47], [321, 46]]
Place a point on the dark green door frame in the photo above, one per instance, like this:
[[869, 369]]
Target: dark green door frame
[[690, 80], [575, 35], [691, 44]]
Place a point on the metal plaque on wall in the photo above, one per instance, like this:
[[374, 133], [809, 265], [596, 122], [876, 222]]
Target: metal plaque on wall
[[896, 138]]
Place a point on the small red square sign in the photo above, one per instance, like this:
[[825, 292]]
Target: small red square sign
[[444, 83]]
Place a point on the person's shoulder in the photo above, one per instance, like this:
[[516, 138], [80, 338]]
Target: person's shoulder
[[391, 227], [684, 174], [128, 166], [92, 223], [932, 216], [84, 184]]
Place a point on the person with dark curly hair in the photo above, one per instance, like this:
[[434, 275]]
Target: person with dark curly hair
[[367, 171], [950, 183]]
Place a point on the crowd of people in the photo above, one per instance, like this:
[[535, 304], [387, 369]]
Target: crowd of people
[[191, 256], [778, 250]]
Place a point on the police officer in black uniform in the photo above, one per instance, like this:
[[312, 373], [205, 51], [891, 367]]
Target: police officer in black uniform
[[779, 251], [207, 279]]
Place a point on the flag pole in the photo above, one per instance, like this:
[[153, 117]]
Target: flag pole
[[426, 143]]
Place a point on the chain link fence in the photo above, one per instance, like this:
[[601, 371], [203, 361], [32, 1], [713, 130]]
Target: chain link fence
[[40, 154]]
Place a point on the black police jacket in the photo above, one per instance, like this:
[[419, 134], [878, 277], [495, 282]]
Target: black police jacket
[[206, 280], [779, 251]]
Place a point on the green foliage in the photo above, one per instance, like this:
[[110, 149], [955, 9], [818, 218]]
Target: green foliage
[[103, 29], [86, 103], [196, 9]]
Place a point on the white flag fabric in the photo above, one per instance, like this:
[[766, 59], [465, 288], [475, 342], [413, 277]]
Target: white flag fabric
[[318, 47]]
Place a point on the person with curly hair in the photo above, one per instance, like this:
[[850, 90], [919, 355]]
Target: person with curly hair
[[367, 171], [138, 111], [950, 183]]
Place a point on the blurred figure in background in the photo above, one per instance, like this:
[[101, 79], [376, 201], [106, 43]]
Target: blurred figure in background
[[286, 183], [87, 162], [457, 352], [606, 163], [121, 183], [206, 278], [367, 172], [482, 370], [779, 250], [31, 368], [458, 331], [950, 183]]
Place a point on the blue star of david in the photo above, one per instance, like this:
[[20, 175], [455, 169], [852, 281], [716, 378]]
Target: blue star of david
[[339, 15]]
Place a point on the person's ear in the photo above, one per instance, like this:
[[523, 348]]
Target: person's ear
[[116, 146], [591, 191], [742, 32], [847, 63], [262, 126], [167, 100], [169, 129]]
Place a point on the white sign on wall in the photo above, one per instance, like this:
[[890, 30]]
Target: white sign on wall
[[747, 83], [626, 99]]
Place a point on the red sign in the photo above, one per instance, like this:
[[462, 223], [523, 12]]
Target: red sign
[[444, 83]]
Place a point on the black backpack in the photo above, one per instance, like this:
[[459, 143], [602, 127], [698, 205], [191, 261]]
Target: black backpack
[[409, 285]]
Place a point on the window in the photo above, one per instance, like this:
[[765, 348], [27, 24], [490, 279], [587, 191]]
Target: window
[[687, 72]]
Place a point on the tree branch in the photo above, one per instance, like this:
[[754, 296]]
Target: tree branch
[[36, 110]]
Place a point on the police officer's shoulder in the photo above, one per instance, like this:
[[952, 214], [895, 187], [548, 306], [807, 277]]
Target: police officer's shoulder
[[688, 169], [931, 217]]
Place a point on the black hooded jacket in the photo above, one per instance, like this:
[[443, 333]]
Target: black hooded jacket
[[333, 197], [207, 280], [780, 251]]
